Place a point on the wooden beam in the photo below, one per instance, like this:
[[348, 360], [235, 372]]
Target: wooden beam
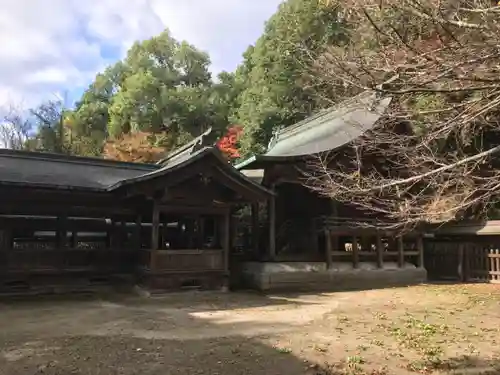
[[58, 209], [328, 248], [401, 251], [380, 251], [186, 209]]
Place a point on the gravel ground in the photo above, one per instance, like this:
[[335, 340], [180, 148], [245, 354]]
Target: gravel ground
[[423, 329]]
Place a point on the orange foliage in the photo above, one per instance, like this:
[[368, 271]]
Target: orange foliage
[[228, 144], [134, 147]]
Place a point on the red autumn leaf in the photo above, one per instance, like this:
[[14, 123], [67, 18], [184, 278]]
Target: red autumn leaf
[[228, 144]]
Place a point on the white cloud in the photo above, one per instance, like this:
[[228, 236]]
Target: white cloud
[[52, 46]]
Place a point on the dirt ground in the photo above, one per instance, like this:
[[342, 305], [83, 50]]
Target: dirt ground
[[433, 329]]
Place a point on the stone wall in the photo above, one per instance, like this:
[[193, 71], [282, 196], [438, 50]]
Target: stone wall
[[314, 276]]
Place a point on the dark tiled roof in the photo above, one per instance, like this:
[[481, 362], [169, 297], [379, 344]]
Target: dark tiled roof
[[325, 131], [69, 172], [60, 171]]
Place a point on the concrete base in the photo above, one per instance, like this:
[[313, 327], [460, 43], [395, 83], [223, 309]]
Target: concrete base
[[302, 276]]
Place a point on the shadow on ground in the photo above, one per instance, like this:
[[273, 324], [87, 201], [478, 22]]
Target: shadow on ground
[[126, 336], [127, 355]]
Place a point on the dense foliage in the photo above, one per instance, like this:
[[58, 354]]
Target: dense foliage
[[163, 88]]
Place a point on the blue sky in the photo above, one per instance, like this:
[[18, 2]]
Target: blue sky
[[54, 46]]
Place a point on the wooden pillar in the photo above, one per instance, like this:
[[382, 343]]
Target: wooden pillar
[[109, 234], [380, 251], [466, 263], [74, 239], [190, 231], [62, 241], [6, 248], [314, 237], [114, 234], [420, 248], [272, 227], [200, 238], [355, 252], [155, 234], [61, 232], [400, 249], [255, 228], [123, 234], [226, 235], [328, 248], [137, 232], [461, 274]]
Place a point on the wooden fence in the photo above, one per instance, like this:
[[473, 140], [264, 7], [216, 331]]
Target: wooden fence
[[464, 254]]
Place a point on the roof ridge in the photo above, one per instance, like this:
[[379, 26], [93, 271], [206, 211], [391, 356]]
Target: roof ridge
[[197, 142], [73, 159]]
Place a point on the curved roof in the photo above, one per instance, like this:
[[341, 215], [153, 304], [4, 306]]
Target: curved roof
[[186, 159], [328, 130]]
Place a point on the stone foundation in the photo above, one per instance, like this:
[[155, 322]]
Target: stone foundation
[[303, 276]]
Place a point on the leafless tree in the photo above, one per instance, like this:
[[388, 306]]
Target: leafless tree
[[433, 156], [14, 129]]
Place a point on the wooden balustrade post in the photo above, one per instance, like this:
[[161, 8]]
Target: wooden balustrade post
[[380, 251], [355, 252], [400, 249]]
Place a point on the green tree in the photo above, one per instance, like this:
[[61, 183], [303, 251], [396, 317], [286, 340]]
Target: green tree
[[274, 68], [48, 118], [162, 86]]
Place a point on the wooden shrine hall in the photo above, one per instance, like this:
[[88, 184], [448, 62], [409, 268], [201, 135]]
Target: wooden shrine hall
[[310, 240], [71, 222]]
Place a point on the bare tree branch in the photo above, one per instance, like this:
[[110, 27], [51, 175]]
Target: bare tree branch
[[432, 157]]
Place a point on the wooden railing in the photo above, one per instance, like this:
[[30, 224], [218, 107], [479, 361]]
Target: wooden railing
[[68, 260], [348, 241], [349, 225], [184, 260]]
